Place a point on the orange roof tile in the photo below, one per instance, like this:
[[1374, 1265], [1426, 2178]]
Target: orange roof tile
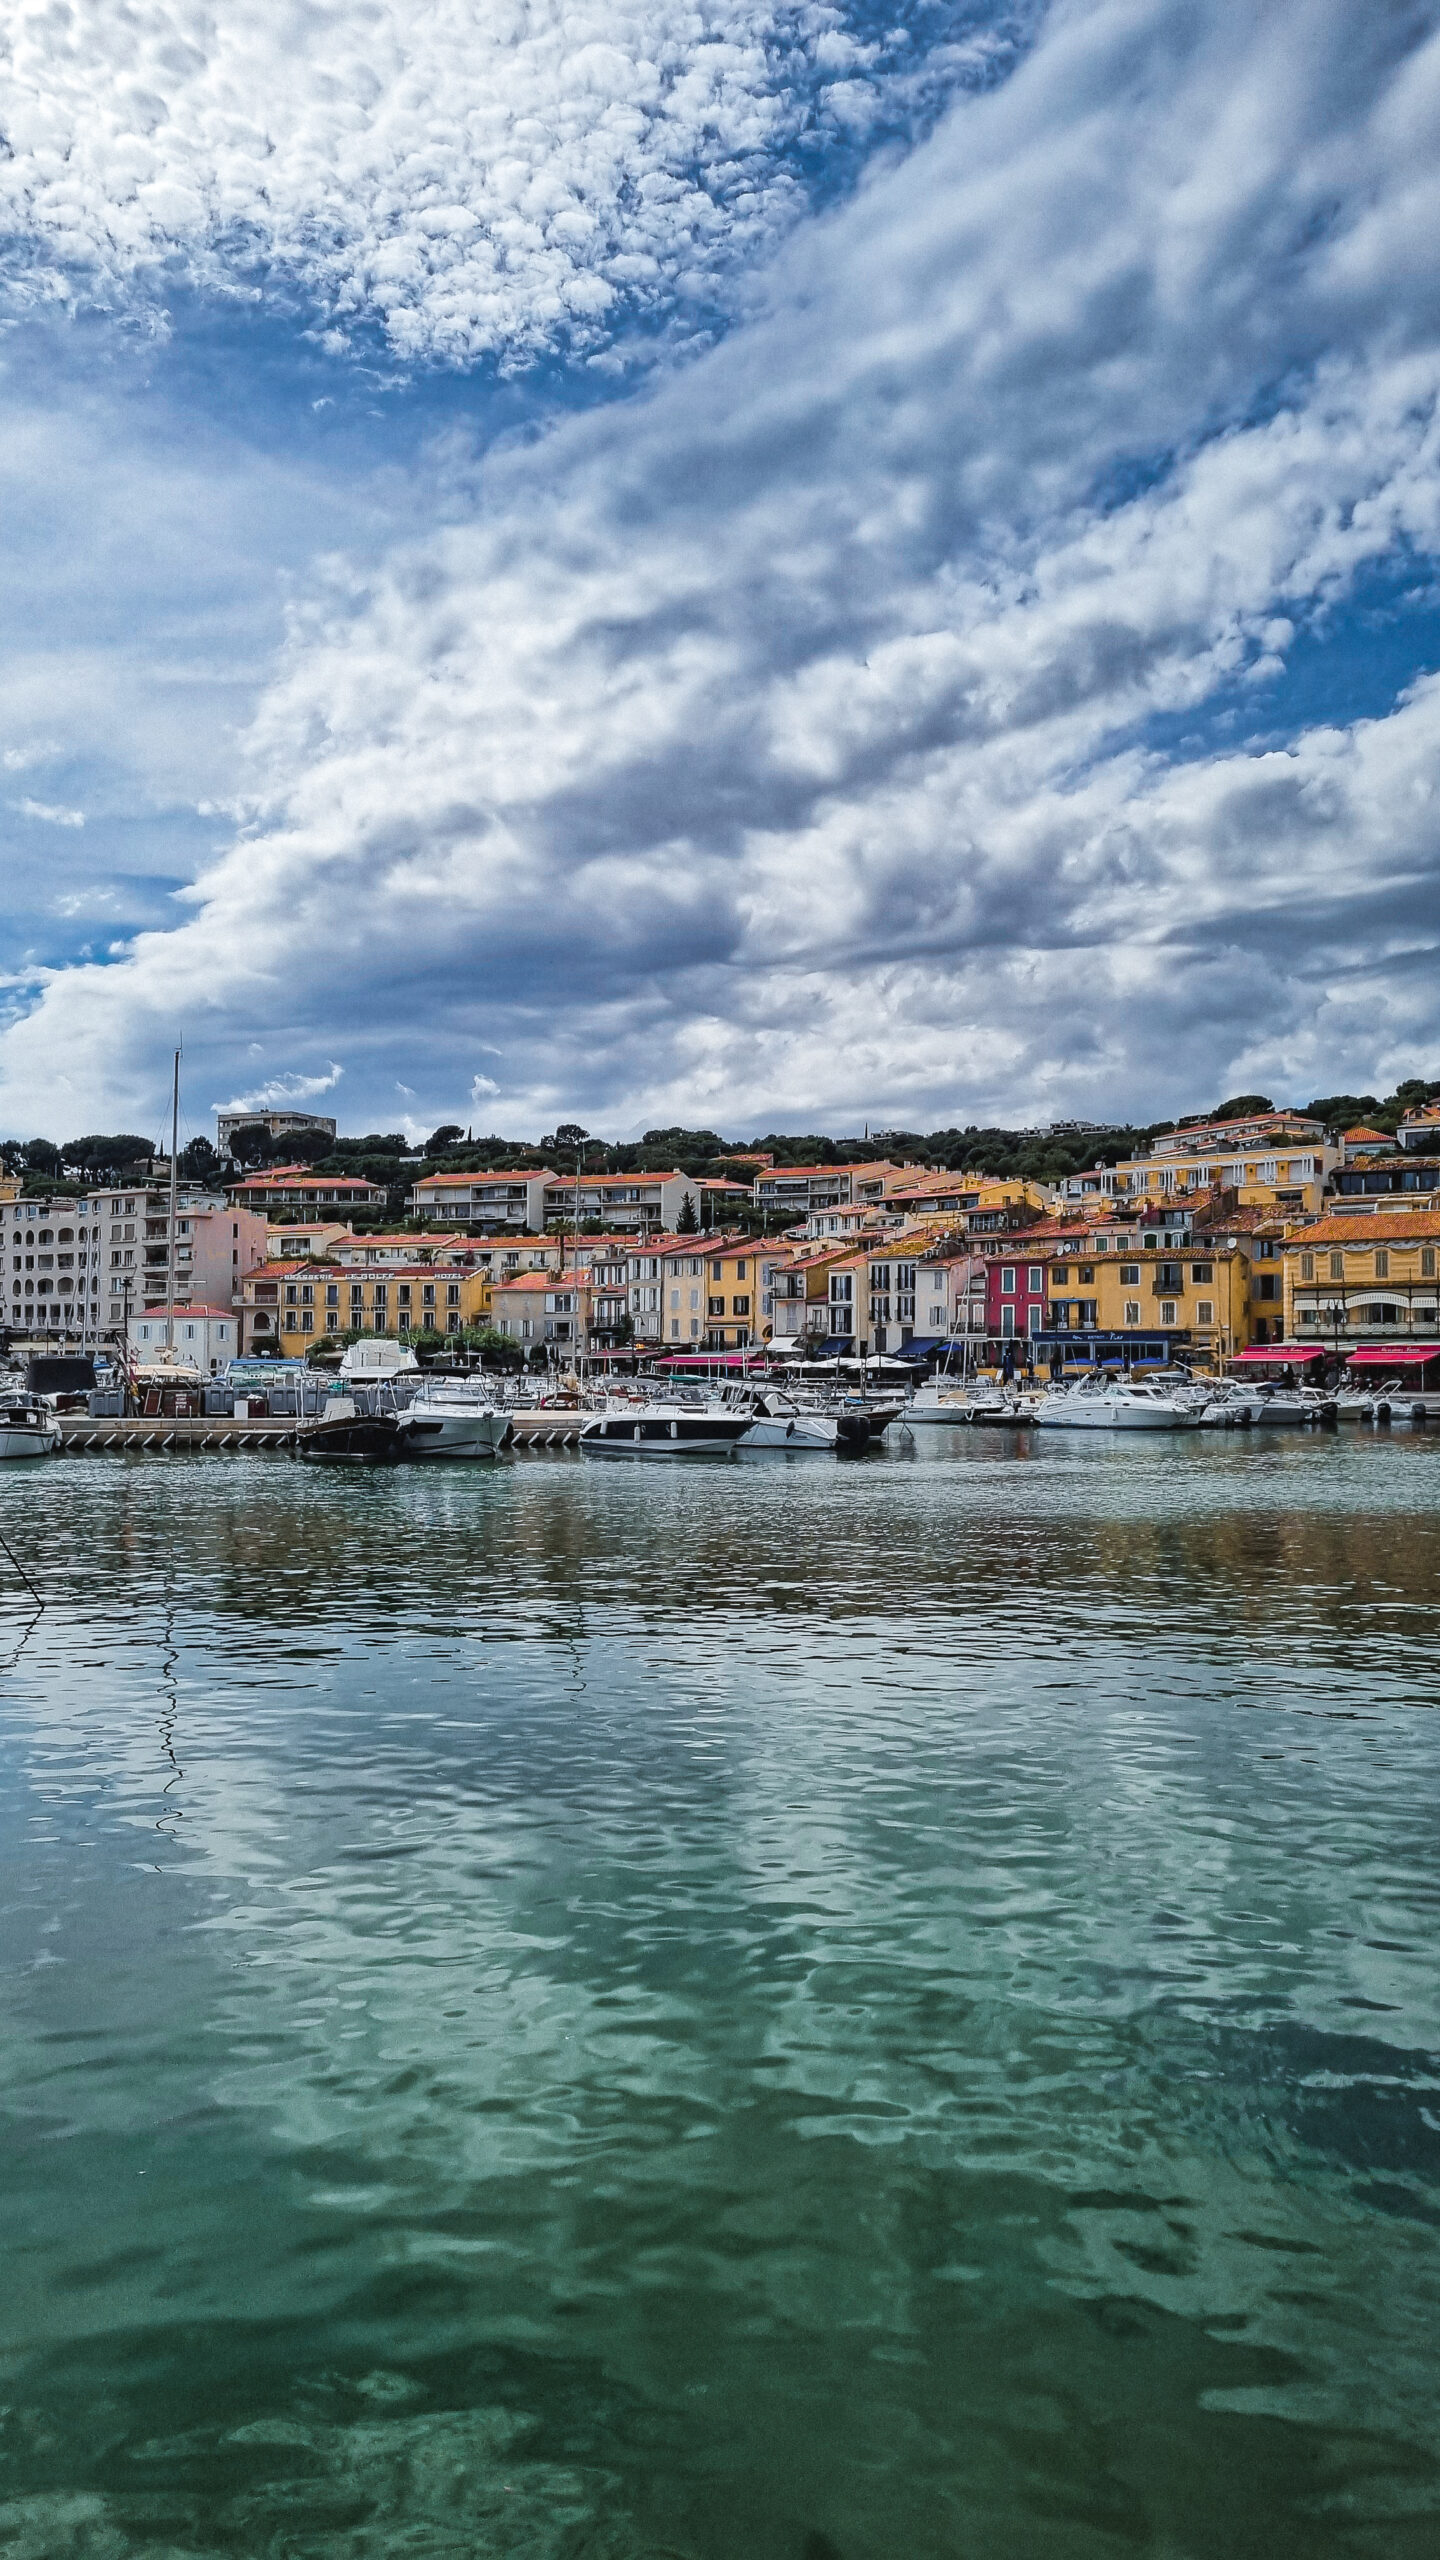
[[1369, 1227]]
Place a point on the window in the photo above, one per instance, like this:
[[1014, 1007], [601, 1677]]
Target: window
[[452, 1293], [291, 1293], [740, 1306], [1130, 1278], [1132, 1310], [1007, 1281], [1205, 1311], [1007, 1323], [1427, 1262], [1167, 1310], [715, 1306], [1307, 1266], [740, 1271], [1202, 1273], [1337, 1266], [1035, 1318], [1087, 1275], [1035, 1279], [1382, 1264], [717, 1270], [842, 1287]]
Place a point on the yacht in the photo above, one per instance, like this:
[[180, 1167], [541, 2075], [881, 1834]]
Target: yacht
[[778, 1422], [349, 1439], [451, 1418], [28, 1429], [943, 1404], [1118, 1404], [664, 1431]]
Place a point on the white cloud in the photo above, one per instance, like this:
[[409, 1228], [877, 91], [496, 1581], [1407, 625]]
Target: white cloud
[[49, 814], [776, 745], [477, 177], [281, 1090]]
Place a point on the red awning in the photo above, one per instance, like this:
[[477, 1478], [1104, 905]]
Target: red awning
[[1406, 1358], [1292, 1353]]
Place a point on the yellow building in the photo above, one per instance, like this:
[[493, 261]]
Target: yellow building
[[289, 1306], [1208, 1292], [1365, 1278], [1278, 1161]]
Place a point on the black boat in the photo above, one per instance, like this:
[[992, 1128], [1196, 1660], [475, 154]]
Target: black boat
[[354, 1440]]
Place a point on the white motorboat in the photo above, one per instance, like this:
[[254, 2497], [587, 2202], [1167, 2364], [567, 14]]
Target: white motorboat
[[451, 1419], [1276, 1403], [777, 1422], [1118, 1404], [28, 1429], [664, 1431]]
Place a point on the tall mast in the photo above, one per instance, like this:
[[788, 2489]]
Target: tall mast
[[170, 1250]]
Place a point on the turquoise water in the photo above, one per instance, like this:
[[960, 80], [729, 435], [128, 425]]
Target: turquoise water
[[775, 2011]]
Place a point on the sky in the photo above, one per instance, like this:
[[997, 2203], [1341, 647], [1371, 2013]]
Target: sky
[[728, 564]]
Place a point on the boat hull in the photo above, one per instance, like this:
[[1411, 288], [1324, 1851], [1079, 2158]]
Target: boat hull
[[371, 1440], [1098, 1413], [28, 1440], [434, 1436], [655, 1436]]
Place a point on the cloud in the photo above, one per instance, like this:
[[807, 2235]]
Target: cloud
[[777, 744], [48, 814], [281, 1090], [475, 179]]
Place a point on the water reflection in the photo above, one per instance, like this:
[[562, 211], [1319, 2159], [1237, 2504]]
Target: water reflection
[[888, 2010]]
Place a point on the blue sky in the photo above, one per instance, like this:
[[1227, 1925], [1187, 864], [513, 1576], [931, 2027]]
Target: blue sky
[[721, 564]]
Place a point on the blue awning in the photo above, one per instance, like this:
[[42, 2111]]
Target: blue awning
[[923, 1350], [837, 1346]]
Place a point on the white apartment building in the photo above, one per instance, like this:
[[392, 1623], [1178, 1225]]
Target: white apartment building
[[85, 1267], [618, 1203]]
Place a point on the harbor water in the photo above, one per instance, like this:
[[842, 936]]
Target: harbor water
[[760, 2011]]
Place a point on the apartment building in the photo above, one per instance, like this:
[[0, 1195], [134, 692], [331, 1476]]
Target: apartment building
[[632, 1203], [86, 1266], [1421, 1128], [1279, 1160], [294, 1186], [540, 1308], [792, 1192], [289, 1306], [1352, 1280], [273, 1124]]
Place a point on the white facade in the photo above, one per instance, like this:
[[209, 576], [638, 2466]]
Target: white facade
[[207, 1335], [84, 1267]]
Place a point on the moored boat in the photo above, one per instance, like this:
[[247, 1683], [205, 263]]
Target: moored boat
[[353, 1440], [1117, 1404], [28, 1429], [448, 1420], [664, 1431]]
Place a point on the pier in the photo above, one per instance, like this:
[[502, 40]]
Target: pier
[[162, 1433]]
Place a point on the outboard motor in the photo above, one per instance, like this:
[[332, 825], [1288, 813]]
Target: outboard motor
[[852, 1433]]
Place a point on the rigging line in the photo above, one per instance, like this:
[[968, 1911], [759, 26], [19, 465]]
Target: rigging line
[[20, 1569]]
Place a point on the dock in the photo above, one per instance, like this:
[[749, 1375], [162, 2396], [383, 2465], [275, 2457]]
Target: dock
[[164, 1434]]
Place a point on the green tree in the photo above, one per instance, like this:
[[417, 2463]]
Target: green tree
[[687, 1224]]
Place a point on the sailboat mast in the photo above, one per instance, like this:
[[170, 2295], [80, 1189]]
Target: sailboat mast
[[174, 1195]]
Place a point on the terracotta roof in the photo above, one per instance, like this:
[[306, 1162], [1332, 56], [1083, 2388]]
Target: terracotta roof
[[1367, 1228], [506, 1173], [1368, 1137]]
